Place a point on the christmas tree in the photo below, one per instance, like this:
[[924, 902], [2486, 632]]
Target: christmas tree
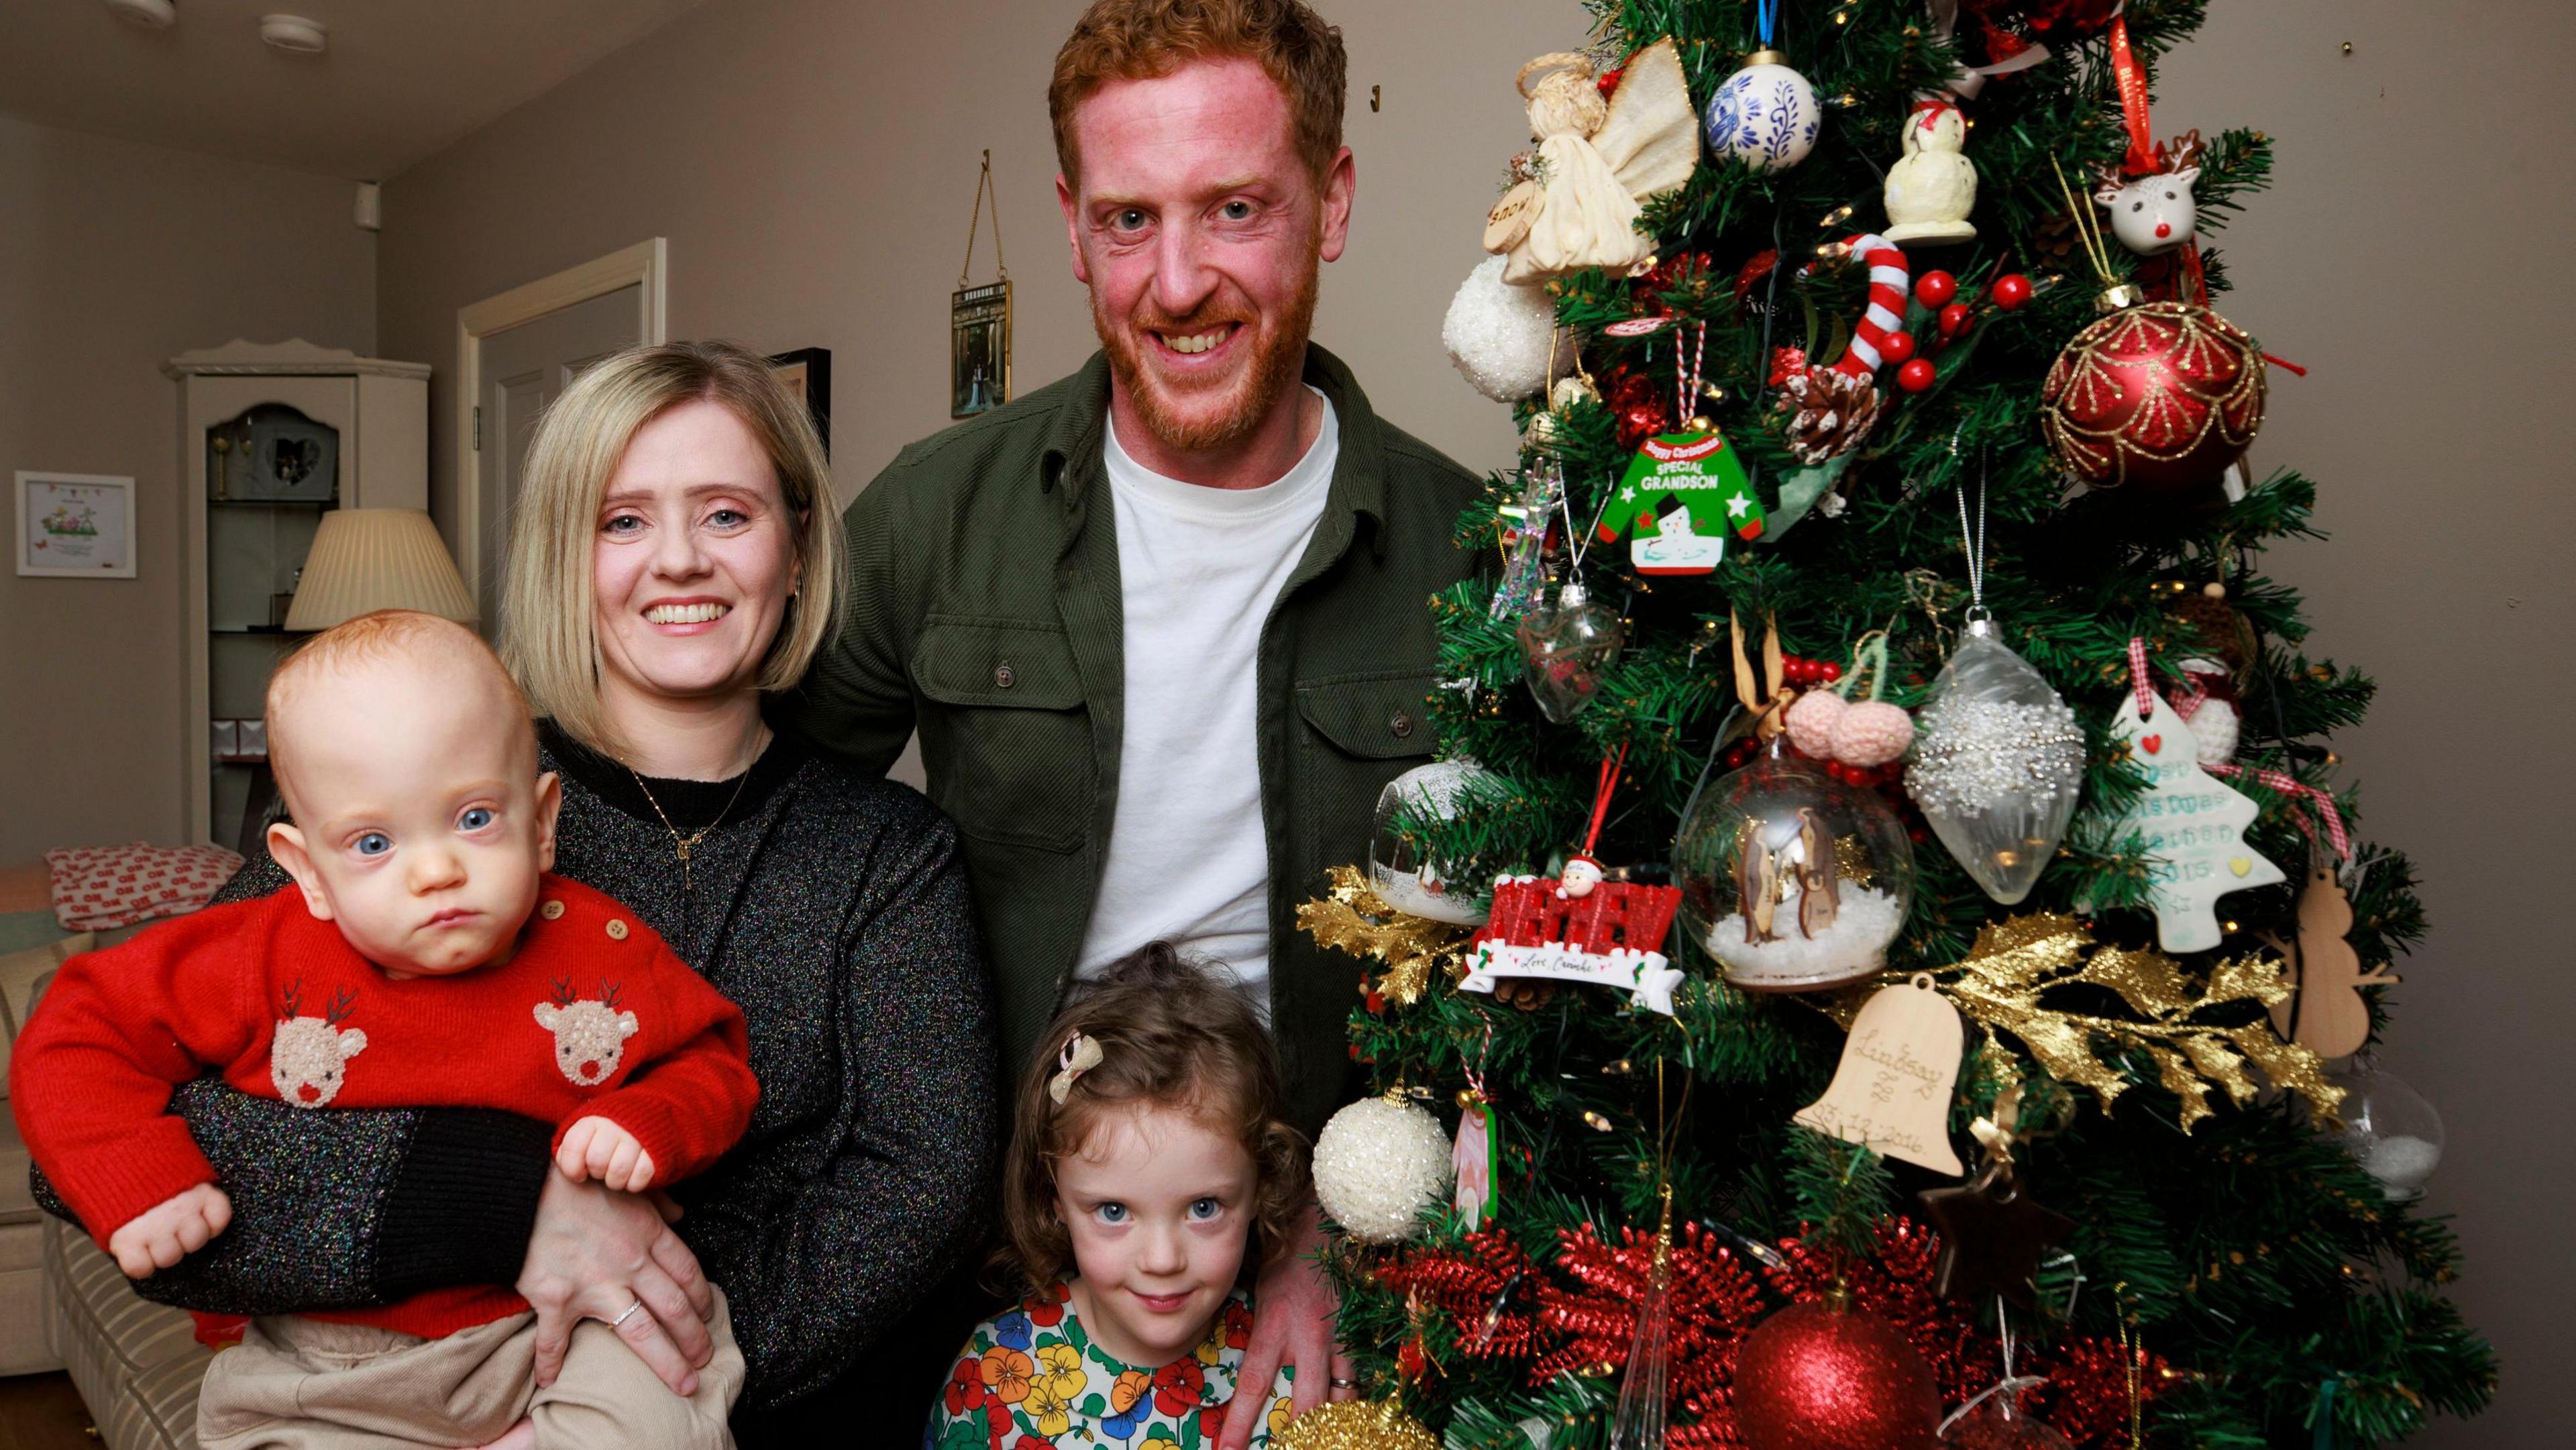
[[1893, 928]]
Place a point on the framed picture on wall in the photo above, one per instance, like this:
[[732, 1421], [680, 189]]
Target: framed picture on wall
[[807, 372], [979, 348], [75, 525]]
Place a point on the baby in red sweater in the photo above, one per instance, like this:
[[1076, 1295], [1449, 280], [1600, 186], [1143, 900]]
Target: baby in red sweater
[[423, 958]]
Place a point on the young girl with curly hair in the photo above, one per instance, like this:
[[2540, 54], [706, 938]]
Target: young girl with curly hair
[[1149, 1178]]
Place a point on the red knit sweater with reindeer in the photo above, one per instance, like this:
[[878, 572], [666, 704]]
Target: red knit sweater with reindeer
[[591, 1016]]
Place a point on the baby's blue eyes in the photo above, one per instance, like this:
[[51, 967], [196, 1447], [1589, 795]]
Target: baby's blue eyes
[[474, 819], [1112, 1212], [1205, 1208], [374, 843]]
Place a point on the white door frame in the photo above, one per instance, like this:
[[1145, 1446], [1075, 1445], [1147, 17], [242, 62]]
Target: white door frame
[[644, 266]]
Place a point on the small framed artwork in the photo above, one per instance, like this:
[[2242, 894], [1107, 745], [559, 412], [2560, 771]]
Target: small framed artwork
[[807, 372], [979, 348], [75, 525]]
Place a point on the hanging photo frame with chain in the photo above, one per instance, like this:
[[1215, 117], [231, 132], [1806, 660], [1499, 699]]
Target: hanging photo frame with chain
[[979, 319]]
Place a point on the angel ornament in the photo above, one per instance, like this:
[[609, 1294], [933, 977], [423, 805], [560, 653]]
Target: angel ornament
[[1597, 160]]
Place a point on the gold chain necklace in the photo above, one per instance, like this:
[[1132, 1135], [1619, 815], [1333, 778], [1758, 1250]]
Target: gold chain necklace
[[685, 844]]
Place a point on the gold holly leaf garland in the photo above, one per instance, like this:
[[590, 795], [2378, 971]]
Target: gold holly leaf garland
[[2005, 977], [1355, 919]]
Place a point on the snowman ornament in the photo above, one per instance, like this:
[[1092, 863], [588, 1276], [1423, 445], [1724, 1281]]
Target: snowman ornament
[[1930, 191]]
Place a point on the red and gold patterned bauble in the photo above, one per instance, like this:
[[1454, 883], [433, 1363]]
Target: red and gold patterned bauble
[[2162, 396], [1815, 1378]]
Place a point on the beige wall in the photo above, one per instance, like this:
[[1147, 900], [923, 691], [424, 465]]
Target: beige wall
[[113, 256], [812, 162]]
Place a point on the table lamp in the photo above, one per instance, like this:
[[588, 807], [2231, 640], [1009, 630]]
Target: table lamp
[[364, 560]]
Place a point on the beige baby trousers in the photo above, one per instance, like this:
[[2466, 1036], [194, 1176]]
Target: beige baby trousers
[[307, 1384]]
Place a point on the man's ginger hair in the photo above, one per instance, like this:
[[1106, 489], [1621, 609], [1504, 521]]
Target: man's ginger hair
[[1142, 39]]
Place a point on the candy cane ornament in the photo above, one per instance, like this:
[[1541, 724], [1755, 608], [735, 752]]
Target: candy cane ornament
[[1889, 276], [1831, 409]]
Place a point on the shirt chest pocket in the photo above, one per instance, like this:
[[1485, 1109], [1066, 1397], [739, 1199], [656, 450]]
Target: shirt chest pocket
[[1361, 731], [1004, 732]]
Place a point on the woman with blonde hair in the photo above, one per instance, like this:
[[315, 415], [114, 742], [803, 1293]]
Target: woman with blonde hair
[[673, 561]]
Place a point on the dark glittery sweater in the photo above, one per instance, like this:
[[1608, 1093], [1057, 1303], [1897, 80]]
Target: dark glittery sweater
[[829, 906]]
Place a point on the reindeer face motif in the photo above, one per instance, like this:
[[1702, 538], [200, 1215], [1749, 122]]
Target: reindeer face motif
[[2152, 214], [590, 1036], [305, 1054]]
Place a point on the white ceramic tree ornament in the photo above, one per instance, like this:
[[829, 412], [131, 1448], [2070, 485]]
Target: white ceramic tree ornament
[[2193, 825]]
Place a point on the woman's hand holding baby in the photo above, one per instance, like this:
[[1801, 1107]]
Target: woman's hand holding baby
[[160, 1236], [599, 1149]]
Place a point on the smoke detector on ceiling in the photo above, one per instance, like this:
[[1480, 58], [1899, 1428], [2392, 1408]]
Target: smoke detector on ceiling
[[150, 14], [294, 33]]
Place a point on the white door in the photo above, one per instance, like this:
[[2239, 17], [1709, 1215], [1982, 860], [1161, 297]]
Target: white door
[[524, 368]]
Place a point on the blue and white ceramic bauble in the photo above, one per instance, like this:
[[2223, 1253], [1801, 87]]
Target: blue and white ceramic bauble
[[1766, 113]]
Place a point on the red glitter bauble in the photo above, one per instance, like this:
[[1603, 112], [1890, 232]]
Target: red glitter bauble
[[2163, 395], [1642, 422], [1809, 1378]]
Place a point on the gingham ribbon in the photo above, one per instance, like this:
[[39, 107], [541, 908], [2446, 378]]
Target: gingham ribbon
[[2138, 677], [2275, 780]]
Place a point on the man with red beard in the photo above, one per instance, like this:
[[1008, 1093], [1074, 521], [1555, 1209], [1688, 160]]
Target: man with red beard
[[1161, 625]]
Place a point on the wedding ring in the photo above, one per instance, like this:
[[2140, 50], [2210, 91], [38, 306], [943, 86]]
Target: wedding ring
[[629, 1314], [1343, 1384]]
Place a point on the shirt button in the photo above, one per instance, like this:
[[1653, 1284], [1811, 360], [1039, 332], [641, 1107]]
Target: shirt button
[[616, 929], [1401, 725], [1003, 678], [551, 911]]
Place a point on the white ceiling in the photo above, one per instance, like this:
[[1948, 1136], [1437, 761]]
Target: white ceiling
[[402, 78]]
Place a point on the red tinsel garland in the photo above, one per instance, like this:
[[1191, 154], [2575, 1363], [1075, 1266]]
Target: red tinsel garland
[[1579, 1317]]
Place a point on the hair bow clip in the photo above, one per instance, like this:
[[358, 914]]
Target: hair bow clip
[[1080, 1054]]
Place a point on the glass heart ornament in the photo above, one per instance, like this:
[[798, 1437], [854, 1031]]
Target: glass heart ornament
[[1566, 649]]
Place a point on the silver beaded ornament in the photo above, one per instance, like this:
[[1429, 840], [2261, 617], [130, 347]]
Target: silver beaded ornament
[[1998, 762]]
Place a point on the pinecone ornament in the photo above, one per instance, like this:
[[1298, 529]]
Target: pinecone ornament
[[1830, 412], [1528, 994], [2052, 242]]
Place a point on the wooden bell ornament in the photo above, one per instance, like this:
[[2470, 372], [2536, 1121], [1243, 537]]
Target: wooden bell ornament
[[1891, 1091]]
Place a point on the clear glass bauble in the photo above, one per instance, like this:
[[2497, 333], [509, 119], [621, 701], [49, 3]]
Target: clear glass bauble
[[1765, 115], [1399, 871], [1566, 648], [1791, 879], [1998, 762], [2390, 1130]]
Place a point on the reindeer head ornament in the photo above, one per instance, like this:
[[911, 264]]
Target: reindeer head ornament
[[2155, 213]]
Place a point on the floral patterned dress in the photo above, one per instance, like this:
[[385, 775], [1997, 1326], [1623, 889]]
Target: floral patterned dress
[[1032, 1379]]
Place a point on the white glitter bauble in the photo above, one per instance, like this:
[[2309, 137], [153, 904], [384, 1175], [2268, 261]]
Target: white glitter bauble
[[1766, 115], [1998, 762], [1498, 335], [1378, 1164]]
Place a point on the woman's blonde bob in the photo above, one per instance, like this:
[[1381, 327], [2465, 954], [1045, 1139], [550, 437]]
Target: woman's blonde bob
[[548, 602]]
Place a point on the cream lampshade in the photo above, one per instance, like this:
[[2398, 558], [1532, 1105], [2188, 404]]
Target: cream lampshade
[[369, 559]]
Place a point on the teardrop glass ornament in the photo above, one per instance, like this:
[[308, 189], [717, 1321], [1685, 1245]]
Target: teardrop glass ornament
[[1998, 762]]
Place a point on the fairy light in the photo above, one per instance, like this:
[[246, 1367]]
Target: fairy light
[[1838, 215]]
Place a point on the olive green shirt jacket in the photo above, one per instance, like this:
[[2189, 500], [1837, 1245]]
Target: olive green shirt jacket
[[983, 608]]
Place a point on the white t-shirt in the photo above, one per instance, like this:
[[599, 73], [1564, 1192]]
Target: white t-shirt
[[1199, 569]]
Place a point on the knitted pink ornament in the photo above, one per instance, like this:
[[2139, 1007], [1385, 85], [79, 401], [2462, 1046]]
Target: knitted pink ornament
[[1811, 721], [1871, 733]]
